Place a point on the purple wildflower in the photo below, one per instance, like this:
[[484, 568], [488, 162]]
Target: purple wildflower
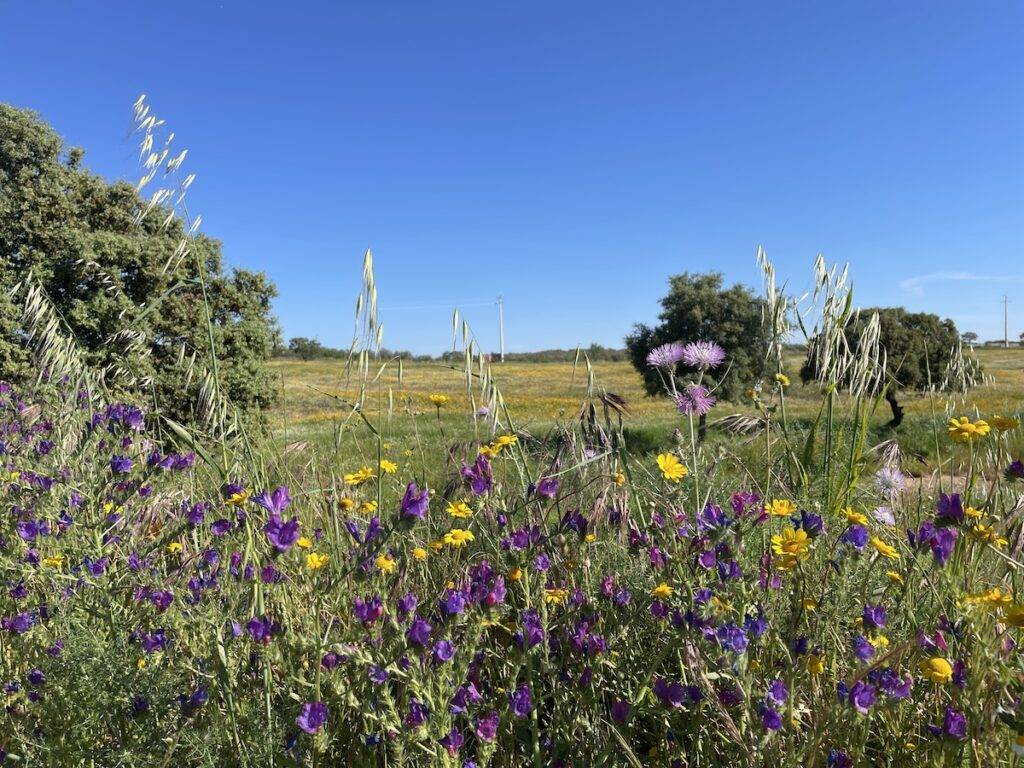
[[444, 651], [862, 648], [942, 541], [777, 693], [954, 725], [418, 714], [695, 399], [771, 720], [666, 356], [453, 742], [950, 509], [261, 629], [861, 696], [120, 465], [521, 701], [275, 503], [892, 685], [368, 611], [874, 616], [732, 638], [479, 475], [314, 715], [415, 502], [419, 631], [280, 533], [547, 487], [855, 536], [703, 355], [487, 726], [620, 711]]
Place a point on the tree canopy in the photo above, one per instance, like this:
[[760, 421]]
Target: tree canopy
[[698, 308], [919, 348], [105, 272]]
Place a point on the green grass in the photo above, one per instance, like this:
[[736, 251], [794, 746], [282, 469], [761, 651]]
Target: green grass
[[544, 396]]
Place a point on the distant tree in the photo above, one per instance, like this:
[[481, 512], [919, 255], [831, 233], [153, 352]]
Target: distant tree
[[307, 349], [969, 337], [105, 273], [918, 345], [698, 308]]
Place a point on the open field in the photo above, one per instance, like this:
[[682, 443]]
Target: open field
[[541, 395]]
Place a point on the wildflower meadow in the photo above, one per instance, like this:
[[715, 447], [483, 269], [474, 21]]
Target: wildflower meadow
[[479, 591]]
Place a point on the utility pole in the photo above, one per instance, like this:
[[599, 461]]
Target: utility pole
[[1006, 326], [501, 328]]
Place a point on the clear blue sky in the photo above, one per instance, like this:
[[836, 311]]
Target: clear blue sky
[[567, 155]]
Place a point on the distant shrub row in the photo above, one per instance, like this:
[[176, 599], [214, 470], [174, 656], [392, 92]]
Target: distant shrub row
[[311, 349]]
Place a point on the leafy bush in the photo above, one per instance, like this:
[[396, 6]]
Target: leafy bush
[[919, 346], [697, 308], [134, 304]]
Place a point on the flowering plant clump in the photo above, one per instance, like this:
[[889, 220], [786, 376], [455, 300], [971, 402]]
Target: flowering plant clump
[[188, 606]]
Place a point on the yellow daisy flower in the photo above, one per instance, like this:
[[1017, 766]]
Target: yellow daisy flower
[[988, 535], [440, 401], [884, 549], [781, 508], [385, 563], [359, 477], [963, 430], [237, 499], [672, 469], [937, 669], [792, 541], [855, 518], [662, 592], [994, 597], [388, 467], [459, 509], [555, 595], [315, 561], [458, 537], [790, 547]]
